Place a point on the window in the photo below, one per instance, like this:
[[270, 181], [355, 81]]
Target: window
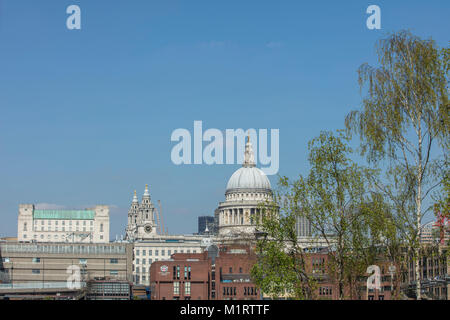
[[240, 270], [83, 261], [169, 252], [35, 271], [36, 260], [144, 261], [137, 252], [113, 272], [137, 261], [137, 270], [25, 226], [176, 288], [101, 227], [114, 261], [144, 252], [84, 222], [162, 252], [187, 288], [5, 259], [156, 252], [149, 252], [56, 222], [231, 270], [143, 278]]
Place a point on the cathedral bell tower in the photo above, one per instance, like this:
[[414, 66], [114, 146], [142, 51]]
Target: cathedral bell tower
[[141, 218]]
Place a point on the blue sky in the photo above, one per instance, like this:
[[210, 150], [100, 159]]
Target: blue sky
[[86, 115]]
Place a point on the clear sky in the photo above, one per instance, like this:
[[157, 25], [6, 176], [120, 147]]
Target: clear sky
[[86, 115]]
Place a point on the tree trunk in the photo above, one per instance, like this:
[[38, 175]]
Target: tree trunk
[[419, 214]]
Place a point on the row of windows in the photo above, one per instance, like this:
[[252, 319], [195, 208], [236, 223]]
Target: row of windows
[[49, 237], [250, 291], [81, 261], [163, 252], [62, 223], [229, 291], [144, 261], [59, 248], [62, 229], [187, 272], [111, 272], [176, 288]]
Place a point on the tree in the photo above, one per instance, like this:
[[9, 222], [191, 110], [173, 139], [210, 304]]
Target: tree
[[281, 269], [334, 197], [405, 113]]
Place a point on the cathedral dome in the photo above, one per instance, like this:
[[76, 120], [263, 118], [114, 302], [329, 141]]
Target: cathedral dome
[[250, 178]]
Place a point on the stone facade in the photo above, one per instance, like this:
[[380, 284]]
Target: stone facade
[[49, 262], [247, 191], [141, 218], [76, 226]]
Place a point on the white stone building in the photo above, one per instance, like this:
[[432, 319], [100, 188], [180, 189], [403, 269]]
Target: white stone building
[[77, 226], [160, 248], [247, 189], [149, 246], [141, 218]]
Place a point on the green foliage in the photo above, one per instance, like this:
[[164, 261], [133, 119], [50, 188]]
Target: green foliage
[[334, 198], [404, 113]]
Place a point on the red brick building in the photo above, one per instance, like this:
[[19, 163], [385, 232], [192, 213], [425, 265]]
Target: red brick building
[[218, 274]]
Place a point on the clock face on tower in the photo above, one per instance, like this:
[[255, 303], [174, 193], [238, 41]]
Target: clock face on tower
[[148, 228]]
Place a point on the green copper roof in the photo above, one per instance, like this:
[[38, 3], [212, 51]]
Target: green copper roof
[[64, 214]]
